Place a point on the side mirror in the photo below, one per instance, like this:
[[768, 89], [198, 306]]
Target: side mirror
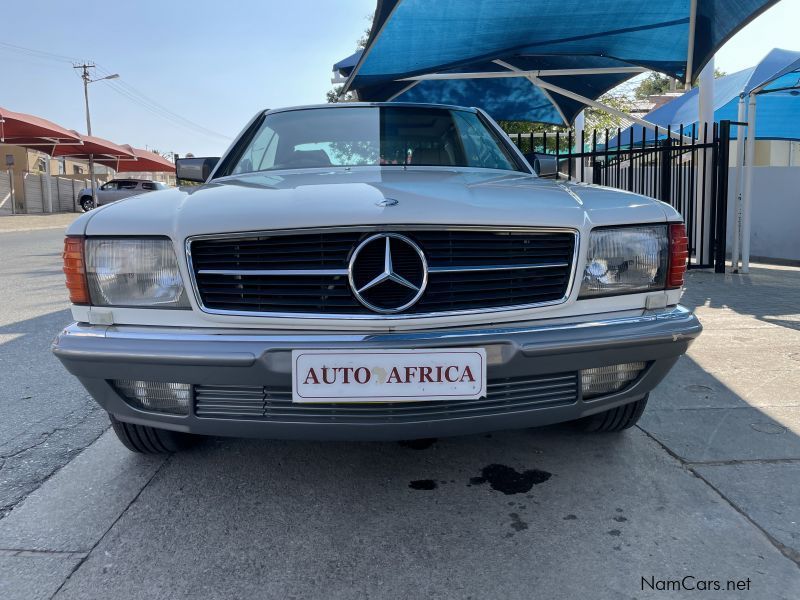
[[544, 165], [194, 169]]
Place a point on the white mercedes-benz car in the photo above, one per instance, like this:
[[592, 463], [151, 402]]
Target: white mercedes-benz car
[[372, 272]]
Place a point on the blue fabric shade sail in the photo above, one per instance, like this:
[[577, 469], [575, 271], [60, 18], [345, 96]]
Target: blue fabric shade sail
[[416, 37], [776, 80], [346, 65], [419, 36]]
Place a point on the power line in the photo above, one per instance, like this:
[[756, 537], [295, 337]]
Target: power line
[[135, 95], [122, 88], [155, 109], [37, 53]]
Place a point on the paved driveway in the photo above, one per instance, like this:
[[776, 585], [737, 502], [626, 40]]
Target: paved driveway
[[706, 488]]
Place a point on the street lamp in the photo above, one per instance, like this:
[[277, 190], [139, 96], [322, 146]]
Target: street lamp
[[86, 81]]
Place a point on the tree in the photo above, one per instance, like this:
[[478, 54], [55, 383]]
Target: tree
[[656, 83], [619, 98], [624, 98], [652, 85], [513, 127], [332, 95]]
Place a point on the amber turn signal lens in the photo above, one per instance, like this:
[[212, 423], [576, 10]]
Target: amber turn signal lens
[[678, 255], [75, 270]]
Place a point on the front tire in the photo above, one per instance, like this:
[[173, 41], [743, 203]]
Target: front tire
[[150, 440], [86, 203], [614, 420]]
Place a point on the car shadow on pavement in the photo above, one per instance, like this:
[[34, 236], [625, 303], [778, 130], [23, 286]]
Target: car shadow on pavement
[[769, 293]]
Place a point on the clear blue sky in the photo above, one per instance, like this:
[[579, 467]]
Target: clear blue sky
[[217, 63], [214, 63]]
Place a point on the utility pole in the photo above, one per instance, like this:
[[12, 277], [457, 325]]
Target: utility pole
[[87, 79]]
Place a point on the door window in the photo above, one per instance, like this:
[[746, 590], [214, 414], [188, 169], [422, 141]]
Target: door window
[[261, 153]]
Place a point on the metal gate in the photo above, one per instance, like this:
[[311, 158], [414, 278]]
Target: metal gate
[[34, 193], [6, 199], [685, 167]]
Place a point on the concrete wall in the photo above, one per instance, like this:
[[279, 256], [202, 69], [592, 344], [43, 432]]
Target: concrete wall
[[28, 166], [775, 229], [772, 153]]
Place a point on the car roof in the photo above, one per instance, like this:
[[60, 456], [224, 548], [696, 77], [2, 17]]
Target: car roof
[[341, 105]]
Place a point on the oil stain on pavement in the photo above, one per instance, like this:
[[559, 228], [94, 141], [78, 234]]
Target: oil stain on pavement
[[501, 478], [508, 480], [423, 484], [516, 522]]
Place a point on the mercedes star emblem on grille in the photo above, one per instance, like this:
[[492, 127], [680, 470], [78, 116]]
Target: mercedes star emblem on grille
[[388, 273]]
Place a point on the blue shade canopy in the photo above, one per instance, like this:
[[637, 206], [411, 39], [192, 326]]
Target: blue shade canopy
[[412, 37], [510, 99], [345, 66], [777, 65], [776, 80], [505, 99]]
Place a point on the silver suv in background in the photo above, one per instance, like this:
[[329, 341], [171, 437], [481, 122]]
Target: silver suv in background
[[117, 189]]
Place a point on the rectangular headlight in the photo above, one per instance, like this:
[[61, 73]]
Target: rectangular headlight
[[171, 398], [625, 260], [134, 273], [607, 380]]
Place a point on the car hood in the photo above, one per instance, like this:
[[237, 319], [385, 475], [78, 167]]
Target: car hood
[[370, 196]]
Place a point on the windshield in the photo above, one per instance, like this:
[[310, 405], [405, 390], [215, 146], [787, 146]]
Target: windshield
[[372, 136]]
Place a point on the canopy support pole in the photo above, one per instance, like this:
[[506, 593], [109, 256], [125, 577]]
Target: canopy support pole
[[48, 191], [747, 200], [737, 190], [401, 92], [513, 72], [600, 105], [580, 125], [533, 76], [511, 67], [690, 49], [705, 177]]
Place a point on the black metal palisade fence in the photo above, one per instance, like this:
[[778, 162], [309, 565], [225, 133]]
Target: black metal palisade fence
[[685, 167]]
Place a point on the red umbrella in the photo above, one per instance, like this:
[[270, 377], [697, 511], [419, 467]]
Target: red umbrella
[[145, 161], [91, 145], [20, 129]]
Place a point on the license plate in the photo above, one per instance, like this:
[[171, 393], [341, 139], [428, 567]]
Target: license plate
[[363, 376]]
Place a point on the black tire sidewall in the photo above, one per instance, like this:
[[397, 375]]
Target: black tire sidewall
[[614, 420], [143, 439]]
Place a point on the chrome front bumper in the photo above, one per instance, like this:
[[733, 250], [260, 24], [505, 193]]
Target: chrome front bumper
[[261, 360]]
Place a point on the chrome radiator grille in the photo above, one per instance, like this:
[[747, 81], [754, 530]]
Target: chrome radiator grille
[[308, 273], [503, 396]]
